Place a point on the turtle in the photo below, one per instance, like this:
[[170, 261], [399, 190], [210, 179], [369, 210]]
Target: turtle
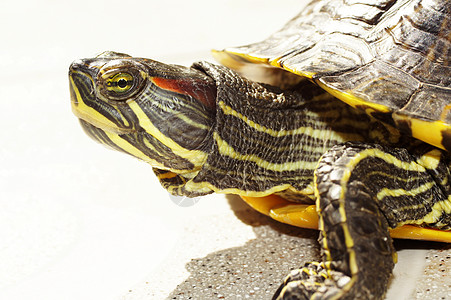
[[344, 113]]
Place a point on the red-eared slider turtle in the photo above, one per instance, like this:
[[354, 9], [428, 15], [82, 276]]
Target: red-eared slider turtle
[[372, 159]]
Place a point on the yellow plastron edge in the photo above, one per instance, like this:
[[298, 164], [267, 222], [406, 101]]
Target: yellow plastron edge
[[305, 216], [300, 215], [431, 132], [235, 60]]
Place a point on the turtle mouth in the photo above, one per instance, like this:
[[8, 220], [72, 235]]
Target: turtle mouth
[[94, 132], [87, 106]]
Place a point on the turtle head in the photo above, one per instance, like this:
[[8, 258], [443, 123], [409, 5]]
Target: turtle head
[[162, 114]]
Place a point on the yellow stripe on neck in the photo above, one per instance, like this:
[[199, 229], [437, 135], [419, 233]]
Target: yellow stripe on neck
[[226, 150], [196, 157]]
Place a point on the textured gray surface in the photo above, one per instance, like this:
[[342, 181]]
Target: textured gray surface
[[254, 270], [436, 280]]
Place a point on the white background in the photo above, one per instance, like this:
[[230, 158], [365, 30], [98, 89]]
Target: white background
[[75, 218]]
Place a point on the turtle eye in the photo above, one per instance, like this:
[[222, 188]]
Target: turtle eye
[[120, 83]]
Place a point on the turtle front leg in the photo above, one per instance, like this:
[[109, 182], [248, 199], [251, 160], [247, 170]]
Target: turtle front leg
[[362, 191]]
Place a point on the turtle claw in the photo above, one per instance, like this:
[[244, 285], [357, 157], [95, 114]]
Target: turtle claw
[[316, 280]]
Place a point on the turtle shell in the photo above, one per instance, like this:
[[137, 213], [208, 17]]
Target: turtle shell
[[388, 58]]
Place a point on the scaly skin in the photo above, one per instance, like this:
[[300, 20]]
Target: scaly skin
[[359, 198]]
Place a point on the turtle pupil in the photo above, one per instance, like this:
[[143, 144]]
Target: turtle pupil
[[122, 83]]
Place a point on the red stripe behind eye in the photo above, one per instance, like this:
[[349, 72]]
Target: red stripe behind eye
[[202, 91]]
